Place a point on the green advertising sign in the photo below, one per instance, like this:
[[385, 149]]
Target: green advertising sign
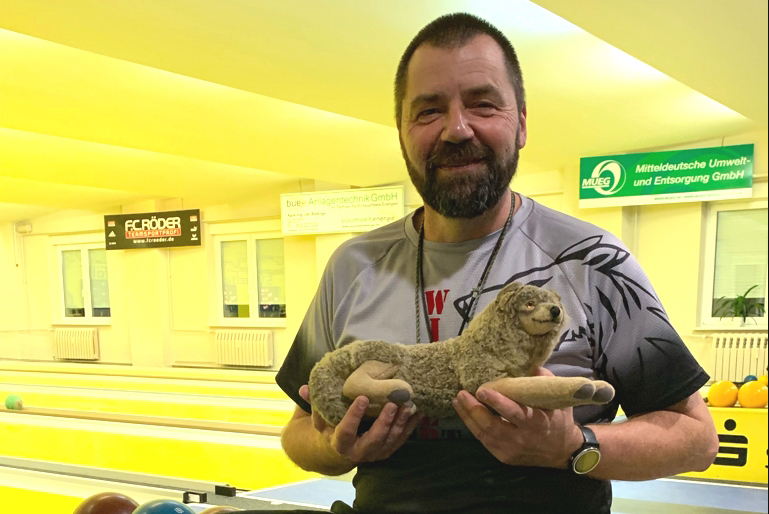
[[696, 175]]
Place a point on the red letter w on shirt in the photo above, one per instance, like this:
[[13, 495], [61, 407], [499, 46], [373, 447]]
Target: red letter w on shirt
[[435, 302]]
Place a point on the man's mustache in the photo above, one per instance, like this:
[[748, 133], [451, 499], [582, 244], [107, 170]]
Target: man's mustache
[[449, 154]]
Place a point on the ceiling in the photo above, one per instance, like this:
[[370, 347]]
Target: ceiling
[[107, 103]]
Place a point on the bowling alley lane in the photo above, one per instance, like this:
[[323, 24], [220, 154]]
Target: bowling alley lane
[[39, 492], [175, 405], [248, 460], [143, 383], [251, 376]]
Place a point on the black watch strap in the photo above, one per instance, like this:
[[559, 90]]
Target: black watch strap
[[586, 458], [589, 436]]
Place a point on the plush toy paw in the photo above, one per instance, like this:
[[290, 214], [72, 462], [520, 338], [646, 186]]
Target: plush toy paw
[[604, 392], [372, 380], [399, 396], [553, 392], [584, 392]]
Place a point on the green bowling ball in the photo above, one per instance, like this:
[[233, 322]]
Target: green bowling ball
[[14, 402]]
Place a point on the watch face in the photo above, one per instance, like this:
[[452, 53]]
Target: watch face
[[586, 461]]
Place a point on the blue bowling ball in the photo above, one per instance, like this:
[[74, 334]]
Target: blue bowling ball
[[163, 507], [750, 378]]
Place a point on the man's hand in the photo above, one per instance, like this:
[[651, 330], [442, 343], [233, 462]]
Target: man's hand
[[519, 435], [388, 433]]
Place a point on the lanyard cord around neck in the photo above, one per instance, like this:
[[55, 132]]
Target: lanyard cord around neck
[[476, 292]]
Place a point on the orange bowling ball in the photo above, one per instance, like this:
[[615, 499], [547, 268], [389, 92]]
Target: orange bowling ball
[[723, 394], [753, 395], [219, 510]]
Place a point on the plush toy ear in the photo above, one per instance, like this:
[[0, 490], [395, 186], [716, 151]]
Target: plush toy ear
[[510, 291]]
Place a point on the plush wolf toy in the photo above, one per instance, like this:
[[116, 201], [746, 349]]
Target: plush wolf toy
[[500, 349]]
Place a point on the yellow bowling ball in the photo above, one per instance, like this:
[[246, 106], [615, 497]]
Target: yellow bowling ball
[[764, 379], [722, 394], [753, 395]]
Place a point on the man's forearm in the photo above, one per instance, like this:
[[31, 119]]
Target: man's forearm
[[654, 445], [309, 449]]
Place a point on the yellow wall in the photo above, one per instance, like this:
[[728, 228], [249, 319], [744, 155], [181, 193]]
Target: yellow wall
[[12, 312], [164, 303], [162, 300]]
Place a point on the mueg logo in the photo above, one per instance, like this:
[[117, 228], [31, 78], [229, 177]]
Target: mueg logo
[[607, 178]]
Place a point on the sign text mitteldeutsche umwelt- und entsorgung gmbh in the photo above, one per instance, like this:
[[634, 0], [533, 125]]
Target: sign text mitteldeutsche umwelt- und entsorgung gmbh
[[695, 175]]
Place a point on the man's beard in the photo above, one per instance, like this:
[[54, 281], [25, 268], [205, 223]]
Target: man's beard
[[463, 194]]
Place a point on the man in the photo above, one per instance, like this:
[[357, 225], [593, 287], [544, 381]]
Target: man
[[461, 116]]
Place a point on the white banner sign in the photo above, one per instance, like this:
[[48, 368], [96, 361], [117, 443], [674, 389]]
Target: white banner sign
[[349, 210]]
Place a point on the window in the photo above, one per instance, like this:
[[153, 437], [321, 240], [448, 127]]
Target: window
[[84, 283], [735, 264], [251, 279]]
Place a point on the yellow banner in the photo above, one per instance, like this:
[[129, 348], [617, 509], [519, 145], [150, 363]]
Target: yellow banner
[[742, 455]]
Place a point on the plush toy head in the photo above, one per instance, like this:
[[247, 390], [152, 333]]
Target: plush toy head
[[538, 311], [522, 323]]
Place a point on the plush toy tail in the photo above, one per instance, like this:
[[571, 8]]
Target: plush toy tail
[[326, 382], [328, 377]]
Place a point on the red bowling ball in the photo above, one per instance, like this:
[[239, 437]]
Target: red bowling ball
[[107, 503]]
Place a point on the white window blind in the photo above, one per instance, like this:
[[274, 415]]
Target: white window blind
[[741, 255], [84, 280], [271, 271], [72, 277], [235, 281]]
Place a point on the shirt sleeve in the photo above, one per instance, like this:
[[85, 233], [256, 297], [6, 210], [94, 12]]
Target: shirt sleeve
[[312, 341], [637, 349]]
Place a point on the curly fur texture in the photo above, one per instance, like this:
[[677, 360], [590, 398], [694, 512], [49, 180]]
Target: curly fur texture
[[511, 337]]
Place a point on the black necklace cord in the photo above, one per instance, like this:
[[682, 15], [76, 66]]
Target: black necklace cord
[[476, 291]]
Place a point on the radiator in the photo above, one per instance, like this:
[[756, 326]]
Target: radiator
[[244, 348], [737, 355], [76, 344]]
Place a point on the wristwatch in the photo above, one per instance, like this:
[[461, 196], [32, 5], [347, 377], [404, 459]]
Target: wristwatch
[[586, 458]]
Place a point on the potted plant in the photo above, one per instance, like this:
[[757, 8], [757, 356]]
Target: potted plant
[[740, 307]]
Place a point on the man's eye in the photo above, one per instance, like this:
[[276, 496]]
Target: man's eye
[[427, 113], [484, 106]]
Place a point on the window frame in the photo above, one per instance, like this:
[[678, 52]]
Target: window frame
[[61, 318], [707, 282], [253, 321]]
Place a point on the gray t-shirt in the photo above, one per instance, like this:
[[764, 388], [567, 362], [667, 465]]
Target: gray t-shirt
[[617, 331]]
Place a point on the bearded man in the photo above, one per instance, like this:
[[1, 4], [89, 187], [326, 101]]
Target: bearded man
[[461, 115]]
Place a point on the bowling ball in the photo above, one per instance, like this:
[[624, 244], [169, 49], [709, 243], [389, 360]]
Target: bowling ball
[[750, 378], [220, 510], [13, 402], [163, 507], [753, 395], [107, 503], [722, 394], [764, 379]]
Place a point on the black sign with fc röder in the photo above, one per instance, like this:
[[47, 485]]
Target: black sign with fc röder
[[153, 229]]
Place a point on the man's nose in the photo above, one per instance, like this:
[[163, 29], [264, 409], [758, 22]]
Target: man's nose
[[457, 128]]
